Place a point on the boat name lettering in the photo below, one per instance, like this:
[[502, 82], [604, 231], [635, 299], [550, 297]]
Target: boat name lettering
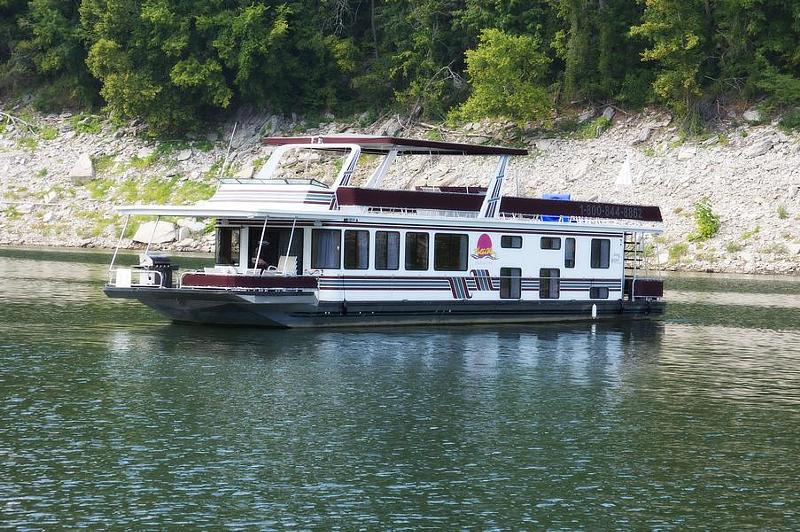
[[607, 210]]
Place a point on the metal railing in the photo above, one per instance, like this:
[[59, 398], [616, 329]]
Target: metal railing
[[127, 277]]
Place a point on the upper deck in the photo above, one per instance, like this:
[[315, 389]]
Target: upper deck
[[270, 195]]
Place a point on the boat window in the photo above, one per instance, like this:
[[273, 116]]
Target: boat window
[[326, 248], [549, 283], [227, 246], [549, 242], [510, 283], [356, 250], [507, 241], [597, 292], [387, 250], [417, 251], [601, 249], [450, 252], [569, 253]]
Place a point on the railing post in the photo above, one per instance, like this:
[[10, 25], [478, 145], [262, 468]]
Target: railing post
[[289, 247], [260, 242], [152, 235], [119, 243]]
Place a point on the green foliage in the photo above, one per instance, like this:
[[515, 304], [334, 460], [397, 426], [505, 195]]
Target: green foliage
[[11, 213], [678, 251], [48, 133], [783, 214], [751, 233], [173, 64], [193, 191], [706, 221], [790, 121], [103, 163], [98, 188], [677, 35], [28, 142], [42, 172], [593, 128], [733, 247], [507, 74], [86, 124]]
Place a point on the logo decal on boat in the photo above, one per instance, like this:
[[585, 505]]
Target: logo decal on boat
[[484, 249]]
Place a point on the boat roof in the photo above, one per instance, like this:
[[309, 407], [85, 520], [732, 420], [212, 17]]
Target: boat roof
[[376, 144]]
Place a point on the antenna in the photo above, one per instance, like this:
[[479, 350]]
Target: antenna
[[228, 151]]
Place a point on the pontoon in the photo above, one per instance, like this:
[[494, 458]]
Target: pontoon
[[295, 251]]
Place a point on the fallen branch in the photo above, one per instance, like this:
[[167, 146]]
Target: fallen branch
[[15, 120]]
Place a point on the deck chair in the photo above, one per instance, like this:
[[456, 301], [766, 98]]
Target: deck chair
[[288, 262]]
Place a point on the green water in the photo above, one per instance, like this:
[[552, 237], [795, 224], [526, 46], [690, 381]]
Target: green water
[[112, 416]]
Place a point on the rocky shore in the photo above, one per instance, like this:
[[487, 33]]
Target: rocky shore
[[62, 175]]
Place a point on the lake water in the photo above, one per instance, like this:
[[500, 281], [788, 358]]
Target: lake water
[[112, 415]]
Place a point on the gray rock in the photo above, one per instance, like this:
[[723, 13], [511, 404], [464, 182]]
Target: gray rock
[[25, 208], [48, 217], [144, 152], [191, 224], [212, 136], [164, 232], [760, 148], [644, 135], [184, 155], [608, 113], [752, 115], [686, 153], [585, 116], [245, 172], [82, 171]]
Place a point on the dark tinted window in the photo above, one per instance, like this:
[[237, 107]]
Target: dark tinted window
[[510, 283], [549, 283], [356, 250], [598, 293], [228, 246], [450, 252], [387, 250], [326, 248], [569, 253], [417, 251], [549, 242], [511, 242], [601, 249]]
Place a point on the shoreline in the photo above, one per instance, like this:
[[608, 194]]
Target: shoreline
[[99, 250], [61, 190]]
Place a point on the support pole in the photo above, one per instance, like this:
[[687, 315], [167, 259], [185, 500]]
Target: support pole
[[260, 243], [289, 247], [119, 243], [152, 235]]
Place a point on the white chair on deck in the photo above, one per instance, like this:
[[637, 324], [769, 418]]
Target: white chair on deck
[[287, 263]]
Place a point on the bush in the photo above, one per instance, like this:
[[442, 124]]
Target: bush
[[790, 121], [507, 73], [706, 221], [678, 251]]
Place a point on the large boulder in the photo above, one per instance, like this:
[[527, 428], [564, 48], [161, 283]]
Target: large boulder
[[83, 170], [164, 232], [752, 115]]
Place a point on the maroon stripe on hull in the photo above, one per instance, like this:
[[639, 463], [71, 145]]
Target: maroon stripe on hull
[[247, 281]]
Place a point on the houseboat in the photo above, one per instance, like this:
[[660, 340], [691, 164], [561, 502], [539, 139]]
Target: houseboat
[[296, 251]]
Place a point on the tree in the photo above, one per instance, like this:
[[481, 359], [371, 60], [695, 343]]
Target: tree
[[678, 33], [507, 74]]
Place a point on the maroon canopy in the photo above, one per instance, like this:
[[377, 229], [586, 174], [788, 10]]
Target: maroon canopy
[[382, 145]]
